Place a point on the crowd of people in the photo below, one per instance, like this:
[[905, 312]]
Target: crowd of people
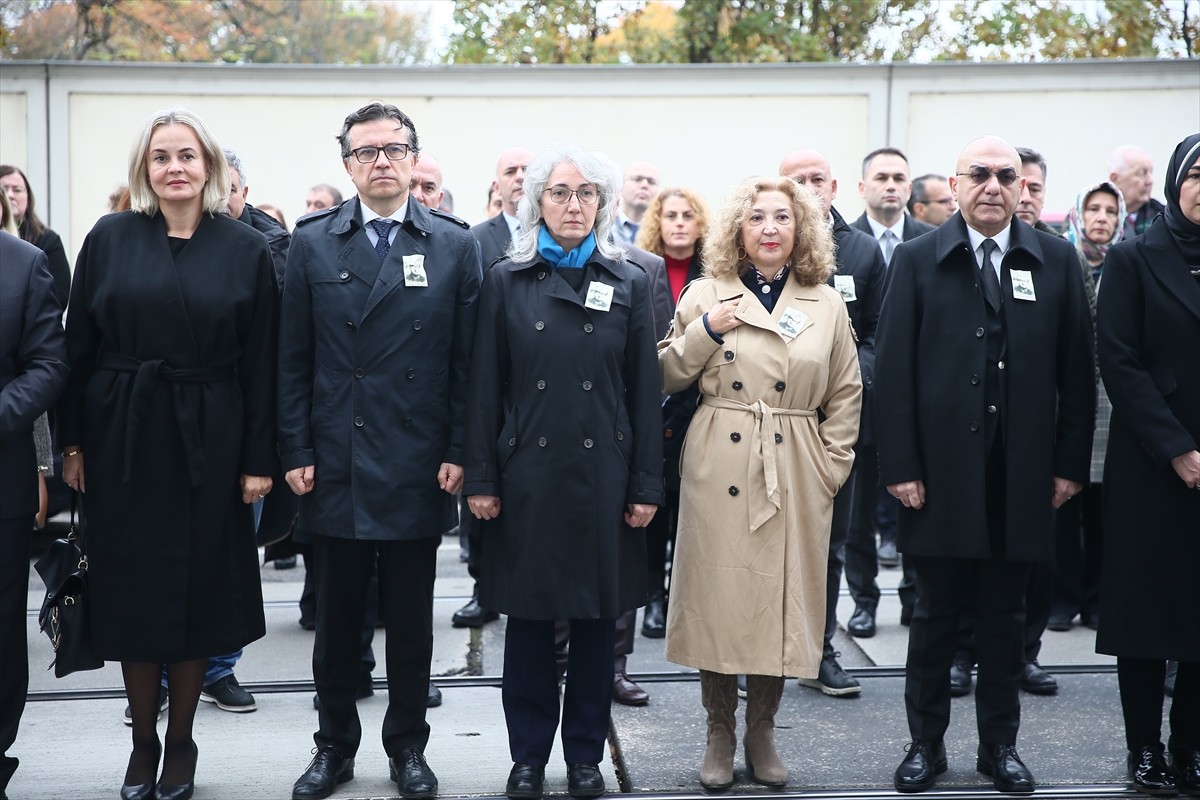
[[620, 400]]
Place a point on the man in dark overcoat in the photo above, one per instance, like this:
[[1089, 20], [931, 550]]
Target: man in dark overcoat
[[33, 372], [373, 372], [859, 279], [984, 407]]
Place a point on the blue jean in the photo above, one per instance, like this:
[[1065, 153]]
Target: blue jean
[[218, 667]]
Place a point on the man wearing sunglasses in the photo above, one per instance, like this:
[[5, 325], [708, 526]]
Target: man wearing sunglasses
[[377, 321], [984, 408]]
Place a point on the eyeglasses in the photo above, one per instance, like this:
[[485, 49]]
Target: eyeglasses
[[981, 175], [646, 179], [369, 155], [586, 195]]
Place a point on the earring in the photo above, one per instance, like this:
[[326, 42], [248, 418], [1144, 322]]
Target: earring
[[741, 253]]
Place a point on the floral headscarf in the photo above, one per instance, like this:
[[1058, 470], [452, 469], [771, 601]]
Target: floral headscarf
[[1075, 233]]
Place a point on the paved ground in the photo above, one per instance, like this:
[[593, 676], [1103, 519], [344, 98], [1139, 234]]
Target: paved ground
[[76, 748]]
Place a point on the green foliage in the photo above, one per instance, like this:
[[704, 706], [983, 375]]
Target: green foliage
[[231, 31]]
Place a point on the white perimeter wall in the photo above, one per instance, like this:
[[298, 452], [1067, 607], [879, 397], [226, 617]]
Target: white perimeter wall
[[71, 125]]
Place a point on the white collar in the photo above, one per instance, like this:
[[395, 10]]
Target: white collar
[[1001, 239], [398, 216], [513, 224], [877, 228]]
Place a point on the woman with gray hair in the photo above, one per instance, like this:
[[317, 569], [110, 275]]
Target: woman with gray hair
[[564, 459]]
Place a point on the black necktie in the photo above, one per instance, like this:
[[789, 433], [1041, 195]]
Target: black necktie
[[382, 245], [991, 284]]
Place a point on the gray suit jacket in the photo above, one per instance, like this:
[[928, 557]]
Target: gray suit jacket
[[494, 238]]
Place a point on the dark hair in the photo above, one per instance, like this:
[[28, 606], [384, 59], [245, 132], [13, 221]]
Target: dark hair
[[882, 151], [31, 228], [919, 195], [1030, 156], [372, 112]]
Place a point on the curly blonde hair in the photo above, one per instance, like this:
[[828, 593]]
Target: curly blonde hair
[[812, 251], [650, 233]]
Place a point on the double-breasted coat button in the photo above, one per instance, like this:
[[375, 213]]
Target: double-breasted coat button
[[974, 427], [542, 275], [737, 386], [588, 327], [733, 491], [974, 380], [1000, 365], [621, 435], [729, 355], [541, 384], [979, 333], [416, 324], [350, 326], [406, 422], [410, 373], [358, 373], [588, 443], [779, 438], [359, 422], [780, 386], [512, 442], [539, 325], [991, 409], [541, 441], [344, 275], [587, 386], [735, 437]]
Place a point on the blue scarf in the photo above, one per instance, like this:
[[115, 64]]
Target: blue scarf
[[557, 257]]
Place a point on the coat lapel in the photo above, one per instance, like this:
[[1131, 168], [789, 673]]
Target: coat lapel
[[1167, 266], [410, 240]]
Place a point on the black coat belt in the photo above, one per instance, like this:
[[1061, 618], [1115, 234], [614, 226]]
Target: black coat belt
[[187, 414]]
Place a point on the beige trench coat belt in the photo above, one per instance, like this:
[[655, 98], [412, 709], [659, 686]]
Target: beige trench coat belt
[[763, 473]]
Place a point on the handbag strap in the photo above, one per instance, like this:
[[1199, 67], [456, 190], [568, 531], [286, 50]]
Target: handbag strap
[[76, 530]]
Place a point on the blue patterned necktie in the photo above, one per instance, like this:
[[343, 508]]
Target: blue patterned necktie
[[382, 245]]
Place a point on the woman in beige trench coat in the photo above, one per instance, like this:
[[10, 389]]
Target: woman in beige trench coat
[[772, 347]]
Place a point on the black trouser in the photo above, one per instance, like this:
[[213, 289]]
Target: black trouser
[[1079, 538], [530, 690], [1141, 682], [997, 590], [659, 533], [886, 509], [862, 563], [16, 537], [843, 505], [406, 575], [308, 608]]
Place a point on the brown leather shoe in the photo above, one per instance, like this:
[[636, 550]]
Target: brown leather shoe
[[628, 693]]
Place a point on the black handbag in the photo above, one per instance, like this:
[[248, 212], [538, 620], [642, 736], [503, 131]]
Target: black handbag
[[64, 613]]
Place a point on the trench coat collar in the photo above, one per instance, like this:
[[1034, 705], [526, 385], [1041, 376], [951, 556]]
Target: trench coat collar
[[751, 311], [951, 236], [349, 216], [611, 266], [559, 289], [1166, 263]]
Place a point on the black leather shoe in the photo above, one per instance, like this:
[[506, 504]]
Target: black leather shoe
[[414, 777], [1187, 771], [628, 693], [924, 762], [960, 678], [654, 620], [325, 772], [525, 781], [138, 791], [862, 623], [584, 780], [888, 555], [434, 699], [1008, 772], [1036, 680], [1059, 622], [1149, 773], [180, 791], [473, 615]]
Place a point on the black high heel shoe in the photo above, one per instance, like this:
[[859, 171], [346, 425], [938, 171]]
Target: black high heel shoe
[[182, 791], [142, 791]]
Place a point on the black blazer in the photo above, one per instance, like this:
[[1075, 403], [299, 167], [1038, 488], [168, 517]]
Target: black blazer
[[33, 367], [930, 410], [494, 238]]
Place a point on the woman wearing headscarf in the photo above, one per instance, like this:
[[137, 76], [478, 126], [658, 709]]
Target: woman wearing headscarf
[[673, 227], [1093, 226], [1148, 334], [772, 350], [564, 459], [171, 336]]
